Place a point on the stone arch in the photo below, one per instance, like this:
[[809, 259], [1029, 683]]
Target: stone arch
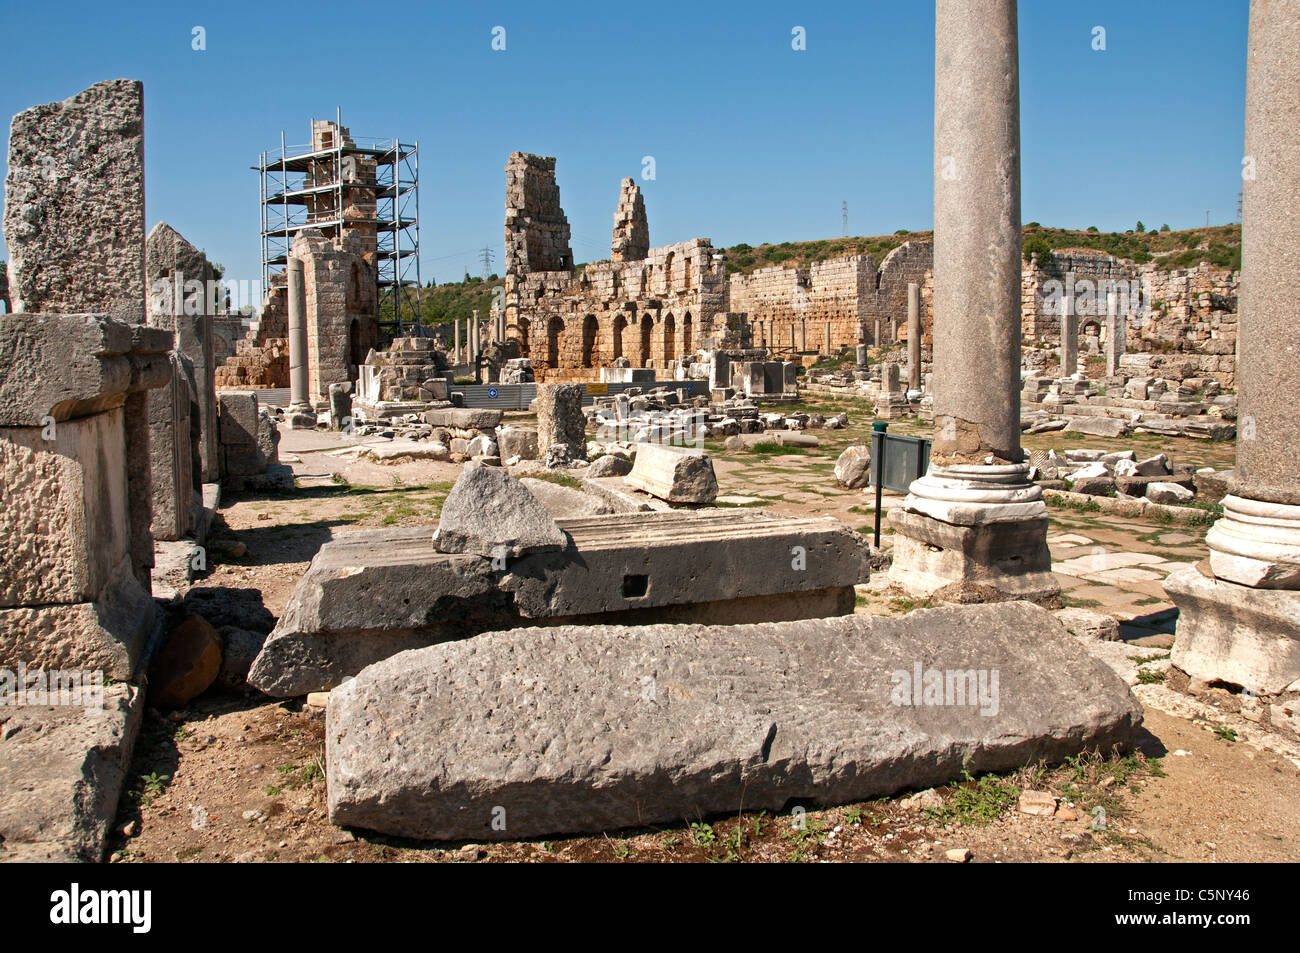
[[354, 299], [668, 273], [590, 338], [524, 330], [647, 328], [554, 333], [686, 273], [616, 340], [687, 344], [669, 338]]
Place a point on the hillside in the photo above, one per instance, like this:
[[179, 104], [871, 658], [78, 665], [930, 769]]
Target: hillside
[[1220, 245]]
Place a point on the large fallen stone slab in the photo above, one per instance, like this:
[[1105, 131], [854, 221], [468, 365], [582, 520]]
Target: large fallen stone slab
[[545, 731], [371, 594], [62, 769], [463, 418], [564, 502], [675, 474], [488, 512]]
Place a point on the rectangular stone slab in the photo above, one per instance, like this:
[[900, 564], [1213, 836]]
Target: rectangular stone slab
[[578, 729], [370, 594]]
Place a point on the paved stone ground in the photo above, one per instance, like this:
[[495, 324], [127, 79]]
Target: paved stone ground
[[1102, 562]]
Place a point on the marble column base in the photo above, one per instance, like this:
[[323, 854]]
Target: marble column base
[[1236, 634], [976, 495], [300, 416], [1256, 544]]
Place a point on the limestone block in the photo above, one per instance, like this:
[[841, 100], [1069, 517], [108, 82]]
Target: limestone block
[[489, 513], [74, 204], [675, 474], [659, 724]]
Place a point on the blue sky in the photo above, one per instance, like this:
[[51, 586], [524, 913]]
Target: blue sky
[[752, 140]]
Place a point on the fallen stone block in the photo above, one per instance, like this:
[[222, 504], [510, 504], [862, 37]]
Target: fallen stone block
[[576, 729], [1097, 426], [675, 474], [62, 769], [609, 465], [463, 418], [564, 502], [488, 512], [619, 497], [853, 468], [371, 594], [1087, 624], [1169, 493], [187, 664]]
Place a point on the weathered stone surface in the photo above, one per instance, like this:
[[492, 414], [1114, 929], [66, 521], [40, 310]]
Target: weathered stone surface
[[1170, 493], [239, 647], [564, 502], [518, 442], [1235, 634], [675, 474], [609, 465], [488, 512], [62, 770], [853, 468], [1088, 624], [370, 594], [108, 633], [74, 204], [188, 662], [561, 424], [463, 418], [582, 729], [1097, 426]]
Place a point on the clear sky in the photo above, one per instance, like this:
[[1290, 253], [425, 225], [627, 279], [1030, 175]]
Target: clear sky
[[752, 140]]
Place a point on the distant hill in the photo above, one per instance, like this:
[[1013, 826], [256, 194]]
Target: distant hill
[[1220, 245]]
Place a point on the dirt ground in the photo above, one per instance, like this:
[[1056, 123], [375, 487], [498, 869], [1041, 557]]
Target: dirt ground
[[241, 777]]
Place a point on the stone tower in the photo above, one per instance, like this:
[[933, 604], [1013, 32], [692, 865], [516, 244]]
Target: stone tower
[[537, 233], [631, 231]]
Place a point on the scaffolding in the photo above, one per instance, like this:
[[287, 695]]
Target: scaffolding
[[338, 183]]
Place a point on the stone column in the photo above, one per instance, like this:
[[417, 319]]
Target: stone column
[[913, 336], [1116, 332], [456, 325], [975, 527], [1238, 625], [474, 343], [301, 414], [1069, 330]]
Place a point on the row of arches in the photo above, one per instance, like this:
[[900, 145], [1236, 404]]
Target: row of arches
[[643, 341]]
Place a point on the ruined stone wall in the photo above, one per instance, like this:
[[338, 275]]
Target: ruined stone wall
[[631, 241], [887, 306], [261, 357], [653, 312], [341, 312], [537, 233], [790, 308]]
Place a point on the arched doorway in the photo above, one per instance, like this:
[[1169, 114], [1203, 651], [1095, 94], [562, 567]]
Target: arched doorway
[[670, 338], [620, 325], [356, 352], [554, 329], [647, 326], [590, 330], [524, 344], [686, 335]]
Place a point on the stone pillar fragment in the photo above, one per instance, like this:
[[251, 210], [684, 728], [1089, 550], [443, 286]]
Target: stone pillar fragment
[[1239, 625], [561, 425], [1069, 330], [1116, 334], [913, 336], [974, 527]]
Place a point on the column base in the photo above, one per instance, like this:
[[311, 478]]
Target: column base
[[986, 562], [1236, 634], [300, 416], [1256, 544]]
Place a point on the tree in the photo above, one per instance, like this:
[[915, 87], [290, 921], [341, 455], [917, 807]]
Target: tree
[[1164, 228], [1140, 227], [1037, 245], [1092, 228]]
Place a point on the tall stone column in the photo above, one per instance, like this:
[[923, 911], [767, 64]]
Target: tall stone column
[[1069, 331], [913, 336], [1237, 622], [975, 527], [473, 336], [301, 414], [456, 325]]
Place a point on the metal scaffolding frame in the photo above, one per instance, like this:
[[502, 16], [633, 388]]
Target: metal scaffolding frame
[[286, 200]]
